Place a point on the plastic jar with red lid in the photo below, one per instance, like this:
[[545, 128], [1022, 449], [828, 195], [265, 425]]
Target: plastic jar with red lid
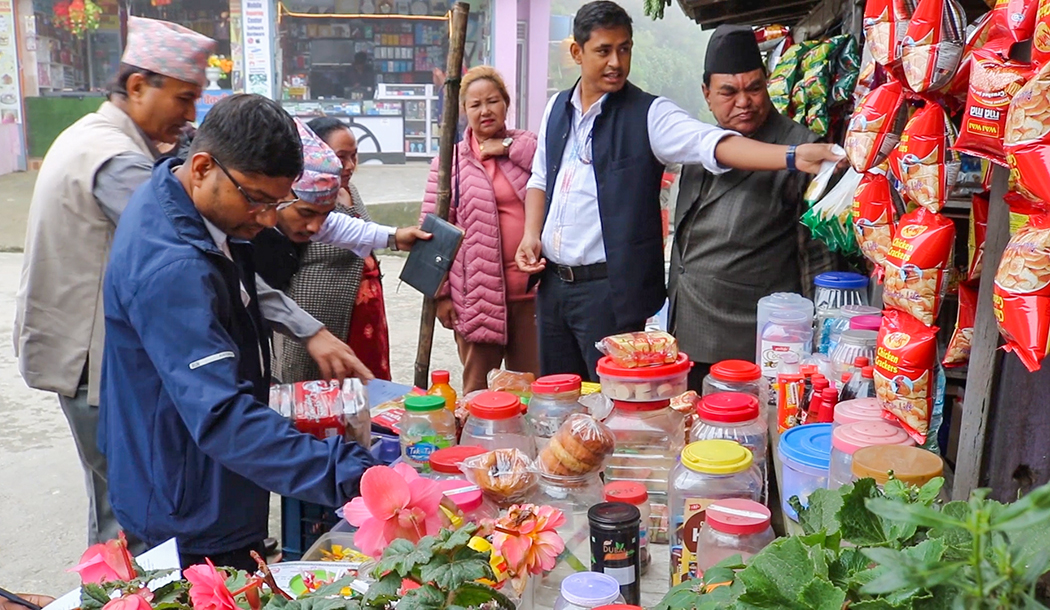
[[737, 376], [554, 399], [732, 527], [467, 497], [496, 422], [733, 416], [644, 384], [444, 463], [637, 495]]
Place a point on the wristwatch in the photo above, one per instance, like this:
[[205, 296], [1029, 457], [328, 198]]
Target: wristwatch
[[507, 142], [391, 241], [791, 159]]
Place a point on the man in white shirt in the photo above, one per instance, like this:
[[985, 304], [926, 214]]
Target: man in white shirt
[[592, 208]]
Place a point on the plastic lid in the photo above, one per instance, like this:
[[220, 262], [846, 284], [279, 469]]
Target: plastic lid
[[463, 493], [861, 361], [717, 457], [865, 323], [495, 405], [852, 311], [820, 382], [846, 377], [790, 315], [859, 409], [868, 372], [446, 461], [865, 338], [808, 445], [556, 384], [589, 589], [841, 280], [439, 377], [728, 407], [654, 405], [736, 370], [418, 404], [737, 516], [909, 464], [630, 492], [608, 368], [614, 514], [851, 437]]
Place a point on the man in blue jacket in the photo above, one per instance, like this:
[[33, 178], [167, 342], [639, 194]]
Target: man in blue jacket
[[194, 451]]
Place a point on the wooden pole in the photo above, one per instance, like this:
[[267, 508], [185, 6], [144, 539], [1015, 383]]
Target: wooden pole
[[449, 128]]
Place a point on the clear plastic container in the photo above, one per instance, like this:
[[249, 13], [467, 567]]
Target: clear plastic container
[[636, 494], [708, 471], [847, 439], [872, 322], [572, 496], [775, 302], [426, 426], [805, 458], [586, 591], [468, 499], [835, 290], [732, 527], [852, 344], [738, 376], [787, 331], [554, 399], [647, 384], [496, 422], [841, 321], [735, 417], [444, 463], [911, 465]]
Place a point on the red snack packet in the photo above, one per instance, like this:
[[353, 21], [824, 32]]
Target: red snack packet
[[976, 37], [639, 349], [905, 355], [873, 217], [1022, 292], [994, 80], [1041, 35], [958, 351], [1015, 19], [916, 268], [1027, 140], [317, 408], [978, 230], [875, 127], [933, 45], [885, 24], [924, 160]]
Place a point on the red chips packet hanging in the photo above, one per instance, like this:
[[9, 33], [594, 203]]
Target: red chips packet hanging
[[933, 46], [916, 269], [976, 37], [905, 355], [978, 230], [1015, 19], [1022, 292], [875, 127], [994, 80], [1041, 36], [1027, 140], [958, 351], [873, 217], [924, 160]]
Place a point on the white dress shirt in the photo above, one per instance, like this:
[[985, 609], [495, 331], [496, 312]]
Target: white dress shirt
[[572, 233], [354, 234]]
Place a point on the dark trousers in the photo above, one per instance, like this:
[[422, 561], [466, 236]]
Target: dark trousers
[[572, 317], [697, 374], [240, 559]]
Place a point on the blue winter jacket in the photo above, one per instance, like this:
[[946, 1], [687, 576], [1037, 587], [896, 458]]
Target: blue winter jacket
[[193, 448]]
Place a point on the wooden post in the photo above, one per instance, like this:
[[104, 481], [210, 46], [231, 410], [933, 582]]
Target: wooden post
[[449, 128], [983, 370]]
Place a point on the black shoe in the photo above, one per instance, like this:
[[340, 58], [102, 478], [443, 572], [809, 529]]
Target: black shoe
[[271, 546]]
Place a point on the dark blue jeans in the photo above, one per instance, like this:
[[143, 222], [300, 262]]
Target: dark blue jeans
[[571, 318]]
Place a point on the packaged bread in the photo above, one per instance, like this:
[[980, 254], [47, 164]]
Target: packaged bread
[[510, 381], [505, 476], [579, 447], [633, 350]]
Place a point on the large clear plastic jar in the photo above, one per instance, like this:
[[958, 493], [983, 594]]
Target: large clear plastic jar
[[732, 527], [847, 439], [774, 302], [738, 376], [426, 426], [787, 331], [708, 471], [835, 290], [649, 439], [635, 494], [805, 458], [841, 321], [586, 591], [852, 344], [572, 496], [496, 422], [444, 463], [554, 399], [736, 417]]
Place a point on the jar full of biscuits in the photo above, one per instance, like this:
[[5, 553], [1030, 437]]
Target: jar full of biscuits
[[554, 399]]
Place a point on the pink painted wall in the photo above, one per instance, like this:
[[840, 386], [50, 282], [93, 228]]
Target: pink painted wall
[[504, 49], [538, 49], [506, 14]]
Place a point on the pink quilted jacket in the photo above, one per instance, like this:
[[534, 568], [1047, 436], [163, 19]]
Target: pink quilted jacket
[[476, 281]]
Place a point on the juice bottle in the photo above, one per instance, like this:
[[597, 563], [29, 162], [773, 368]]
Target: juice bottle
[[439, 387]]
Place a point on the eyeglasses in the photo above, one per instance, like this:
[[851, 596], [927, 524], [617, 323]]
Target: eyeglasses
[[262, 207]]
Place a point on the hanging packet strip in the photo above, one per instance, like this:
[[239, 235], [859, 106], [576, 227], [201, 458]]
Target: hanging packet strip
[[917, 265], [978, 230], [994, 80], [875, 127], [784, 75], [958, 350], [1021, 298], [869, 77], [933, 45], [873, 217], [847, 71], [924, 161], [1027, 140], [905, 357]]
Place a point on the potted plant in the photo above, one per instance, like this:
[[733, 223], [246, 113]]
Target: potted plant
[[218, 67]]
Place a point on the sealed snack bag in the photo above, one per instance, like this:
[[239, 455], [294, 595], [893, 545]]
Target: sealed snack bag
[[632, 350], [976, 36], [868, 78], [875, 127], [978, 230], [1041, 36], [873, 217], [847, 70], [905, 357], [810, 95], [924, 160], [1027, 140], [917, 265], [785, 74], [933, 46], [1015, 19], [1022, 292], [958, 351], [885, 24], [994, 81]]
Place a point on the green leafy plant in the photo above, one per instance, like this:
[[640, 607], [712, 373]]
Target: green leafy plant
[[905, 551]]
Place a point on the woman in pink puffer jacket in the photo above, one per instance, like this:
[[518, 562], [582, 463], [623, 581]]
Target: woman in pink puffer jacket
[[485, 300]]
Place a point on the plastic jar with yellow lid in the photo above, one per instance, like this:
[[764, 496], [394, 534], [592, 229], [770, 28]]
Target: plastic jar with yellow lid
[[708, 471], [910, 465]]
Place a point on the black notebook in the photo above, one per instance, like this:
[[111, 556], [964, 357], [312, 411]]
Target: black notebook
[[429, 261]]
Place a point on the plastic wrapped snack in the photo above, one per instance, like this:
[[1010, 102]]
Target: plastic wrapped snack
[[1027, 140], [1041, 35], [905, 358], [958, 351], [885, 24], [817, 72], [579, 447], [917, 266], [868, 77], [314, 407], [785, 74], [978, 230], [976, 36], [1022, 292], [875, 127], [994, 80], [847, 70], [933, 45], [632, 350], [505, 476], [510, 381], [686, 404], [924, 160], [873, 217], [830, 219], [1015, 19]]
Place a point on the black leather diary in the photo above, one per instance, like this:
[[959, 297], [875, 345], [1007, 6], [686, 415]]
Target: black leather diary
[[429, 261]]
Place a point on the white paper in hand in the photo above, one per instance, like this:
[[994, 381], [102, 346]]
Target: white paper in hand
[[819, 184]]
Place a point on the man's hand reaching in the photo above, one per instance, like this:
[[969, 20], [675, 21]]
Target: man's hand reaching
[[809, 157], [335, 358], [405, 237]]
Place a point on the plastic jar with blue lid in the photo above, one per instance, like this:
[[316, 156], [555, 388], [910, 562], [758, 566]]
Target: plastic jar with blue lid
[[835, 290], [805, 456], [587, 590]]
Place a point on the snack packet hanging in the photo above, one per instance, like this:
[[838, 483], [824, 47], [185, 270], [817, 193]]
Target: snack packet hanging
[[818, 69], [976, 36], [1015, 19], [847, 70], [918, 263], [868, 77], [1027, 140], [905, 357], [1022, 292], [1041, 35], [785, 74], [578, 448], [885, 24], [924, 160], [994, 81], [875, 127], [978, 230], [633, 350], [958, 350], [873, 217], [933, 45]]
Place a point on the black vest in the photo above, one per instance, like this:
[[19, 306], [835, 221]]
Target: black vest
[[276, 258], [628, 177]]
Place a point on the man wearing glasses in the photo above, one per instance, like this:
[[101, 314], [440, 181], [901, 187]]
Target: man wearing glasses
[[193, 448]]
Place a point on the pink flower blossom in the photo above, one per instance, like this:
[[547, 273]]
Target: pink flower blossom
[[527, 539], [394, 503], [128, 602], [208, 588], [105, 562]]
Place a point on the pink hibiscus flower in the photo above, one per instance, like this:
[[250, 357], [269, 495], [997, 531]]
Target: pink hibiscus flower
[[208, 588], [394, 503]]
